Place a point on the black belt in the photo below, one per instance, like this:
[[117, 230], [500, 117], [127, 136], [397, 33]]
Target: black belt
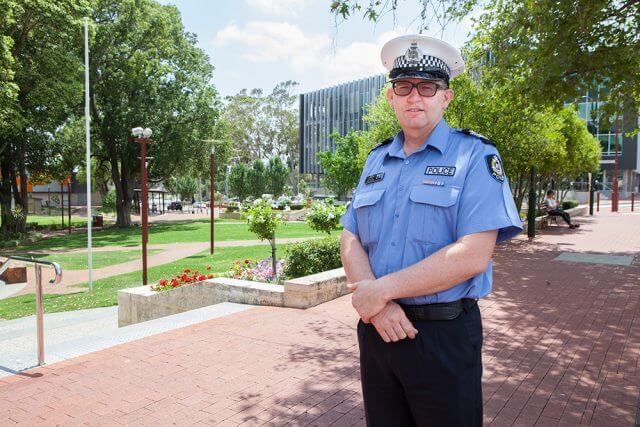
[[438, 311]]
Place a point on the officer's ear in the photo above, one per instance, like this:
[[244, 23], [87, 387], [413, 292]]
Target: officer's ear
[[449, 94], [389, 94]]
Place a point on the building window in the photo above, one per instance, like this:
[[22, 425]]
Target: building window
[[607, 143]]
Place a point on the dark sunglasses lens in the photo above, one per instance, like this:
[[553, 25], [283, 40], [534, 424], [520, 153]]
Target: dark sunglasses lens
[[402, 88], [427, 89]]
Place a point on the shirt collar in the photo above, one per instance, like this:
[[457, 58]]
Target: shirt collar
[[437, 139]]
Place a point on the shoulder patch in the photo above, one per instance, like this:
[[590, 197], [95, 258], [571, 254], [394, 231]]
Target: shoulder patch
[[388, 141], [494, 164], [477, 135]]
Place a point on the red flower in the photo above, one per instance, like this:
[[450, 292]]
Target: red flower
[[210, 276], [202, 277], [162, 282], [186, 270], [174, 283], [183, 277]]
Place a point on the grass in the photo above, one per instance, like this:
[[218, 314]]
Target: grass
[[78, 260], [169, 232], [105, 291], [56, 219]]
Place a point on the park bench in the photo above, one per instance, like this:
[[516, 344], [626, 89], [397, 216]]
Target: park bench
[[546, 217]]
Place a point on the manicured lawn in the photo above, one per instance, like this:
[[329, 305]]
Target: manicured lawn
[[169, 232], [78, 260], [104, 292], [56, 219]]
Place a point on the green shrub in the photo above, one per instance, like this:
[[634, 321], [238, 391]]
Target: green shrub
[[109, 202], [295, 207], [569, 204], [232, 209], [312, 256]]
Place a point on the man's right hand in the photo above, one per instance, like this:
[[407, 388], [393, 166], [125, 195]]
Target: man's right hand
[[392, 323]]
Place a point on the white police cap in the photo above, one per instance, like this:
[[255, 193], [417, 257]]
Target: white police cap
[[421, 57]]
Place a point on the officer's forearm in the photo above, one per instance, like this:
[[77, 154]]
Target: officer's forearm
[[354, 258], [446, 268]]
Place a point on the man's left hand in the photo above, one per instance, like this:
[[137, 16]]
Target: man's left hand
[[367, 298]]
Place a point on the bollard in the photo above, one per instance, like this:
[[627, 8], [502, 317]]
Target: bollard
[[598, 201]]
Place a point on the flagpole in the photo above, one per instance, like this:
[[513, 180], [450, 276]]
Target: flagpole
[[88, 153]]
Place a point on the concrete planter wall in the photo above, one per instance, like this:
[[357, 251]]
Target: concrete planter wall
[[141, 304]]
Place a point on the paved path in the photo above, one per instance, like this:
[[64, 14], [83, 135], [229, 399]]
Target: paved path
[[170, 252], [562, 347]]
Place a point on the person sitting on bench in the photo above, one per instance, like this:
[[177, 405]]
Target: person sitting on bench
[[554, 210]]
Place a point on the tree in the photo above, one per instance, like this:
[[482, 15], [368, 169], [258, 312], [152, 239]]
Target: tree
[[256, 179], [263, 221], [341, 170], [182, 186], [147, 71], [262, 126], [443, 11], [277, 174], [40, 72], [562, 48], [325, 216], [238, 185]]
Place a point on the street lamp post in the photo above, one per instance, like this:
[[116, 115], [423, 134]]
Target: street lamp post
[[614, 195], [212, 197], [142, 137]]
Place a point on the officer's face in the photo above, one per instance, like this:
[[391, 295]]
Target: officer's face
[[419, 112]]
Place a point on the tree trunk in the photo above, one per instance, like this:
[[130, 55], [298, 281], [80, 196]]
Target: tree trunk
[[6, 219], [19, 225], [126, 181]]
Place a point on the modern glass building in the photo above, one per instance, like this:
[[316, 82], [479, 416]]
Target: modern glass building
[[338, 109], [589, 109]]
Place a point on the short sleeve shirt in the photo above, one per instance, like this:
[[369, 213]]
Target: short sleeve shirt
[[405, 208]]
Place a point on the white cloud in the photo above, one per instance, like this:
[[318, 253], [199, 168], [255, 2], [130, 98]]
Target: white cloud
[[278, 7], [275, 41], [281, 42]]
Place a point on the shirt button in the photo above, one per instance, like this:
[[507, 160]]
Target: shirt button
[[400, 188], [406, 162], [397, 215], [393, 243]]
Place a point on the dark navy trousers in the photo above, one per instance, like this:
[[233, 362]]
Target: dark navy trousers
[[432, 380]]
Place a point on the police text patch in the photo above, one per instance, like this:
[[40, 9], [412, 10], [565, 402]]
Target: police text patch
[[495, 167], [374, 178], [440, 170]]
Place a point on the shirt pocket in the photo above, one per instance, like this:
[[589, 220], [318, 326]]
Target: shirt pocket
[[368, 207], [432, 211]]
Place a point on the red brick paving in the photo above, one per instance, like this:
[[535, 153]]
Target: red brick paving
[[562, 347]]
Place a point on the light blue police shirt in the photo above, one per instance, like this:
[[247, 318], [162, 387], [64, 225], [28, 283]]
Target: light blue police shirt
[[406, 208]]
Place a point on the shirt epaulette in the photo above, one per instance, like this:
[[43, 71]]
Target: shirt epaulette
[[385, 142], [477, 135]]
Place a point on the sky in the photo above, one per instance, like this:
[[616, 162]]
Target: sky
[[259, 43]]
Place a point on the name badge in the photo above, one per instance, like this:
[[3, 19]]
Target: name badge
[[440, 170], [433, 182], [374, 178]]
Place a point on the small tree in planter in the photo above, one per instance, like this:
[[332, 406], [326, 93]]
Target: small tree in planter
[[325, 216], [263, 221]]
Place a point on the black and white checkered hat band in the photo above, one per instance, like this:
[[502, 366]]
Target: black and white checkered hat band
[[426, 62]]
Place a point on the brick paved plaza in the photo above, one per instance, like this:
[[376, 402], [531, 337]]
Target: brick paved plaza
[[562, 346]]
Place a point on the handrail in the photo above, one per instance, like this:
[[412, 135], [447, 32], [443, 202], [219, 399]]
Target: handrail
[[56, 280], [39, 310]]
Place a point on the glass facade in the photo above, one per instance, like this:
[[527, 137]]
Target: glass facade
[[338, 109], [589, 109]]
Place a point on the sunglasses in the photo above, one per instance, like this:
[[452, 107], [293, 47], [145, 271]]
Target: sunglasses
[[426, 89]]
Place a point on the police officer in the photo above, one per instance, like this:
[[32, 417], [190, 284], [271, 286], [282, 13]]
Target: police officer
[[418, 238]]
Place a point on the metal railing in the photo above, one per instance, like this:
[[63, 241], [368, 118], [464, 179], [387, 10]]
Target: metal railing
[[39, 311]]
